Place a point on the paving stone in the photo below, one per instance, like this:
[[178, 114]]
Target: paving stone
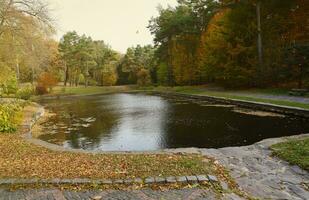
[[55, 181], [224, 185], [97, 197], [171, 179], [192, 179], [81, 181], [119, 181], [65, 181], [181, 179], [212, 178], [160, 180], [202, 178], [128, 181], [106, 182], [138, 180], [149, 180]]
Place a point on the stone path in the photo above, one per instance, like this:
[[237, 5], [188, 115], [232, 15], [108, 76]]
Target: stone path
[[260, 174], [56, 194]]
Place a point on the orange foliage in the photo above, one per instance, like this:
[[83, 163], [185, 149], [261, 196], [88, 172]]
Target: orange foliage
[[47, 80]]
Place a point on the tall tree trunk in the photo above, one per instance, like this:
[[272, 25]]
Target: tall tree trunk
[[17, 70], [300, 80], [66, 73], [259, 40]]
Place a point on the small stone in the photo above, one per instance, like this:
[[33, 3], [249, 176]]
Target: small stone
[[181, 179], [202, 178], [212, 178], [160, 180], [171, 179], [138, 180], [149, 180], [192, 179]]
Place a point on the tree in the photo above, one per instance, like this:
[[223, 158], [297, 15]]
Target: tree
[[143, 77], [47, 80], [136, 59]]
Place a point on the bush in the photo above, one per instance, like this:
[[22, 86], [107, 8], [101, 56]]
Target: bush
[[8, 81], [81, 79], [25, 92], [46, 82], [40, 90], [92, 82], [9, 114]]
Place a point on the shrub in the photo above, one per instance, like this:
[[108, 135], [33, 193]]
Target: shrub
[[40, 90], [9, 114], [8, 81], [81, 79], [25, 92], [46, 82], [92, 82]]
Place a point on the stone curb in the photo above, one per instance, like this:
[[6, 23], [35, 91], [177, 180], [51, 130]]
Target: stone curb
[[149, 181]]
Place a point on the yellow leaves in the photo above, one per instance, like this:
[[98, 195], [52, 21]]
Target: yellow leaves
[[19, 159]]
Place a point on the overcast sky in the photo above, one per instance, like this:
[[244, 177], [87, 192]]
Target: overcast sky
[[120, 23]]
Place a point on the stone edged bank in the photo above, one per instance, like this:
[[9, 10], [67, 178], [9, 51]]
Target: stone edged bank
[[253, 167], [245, 104], [202, 179]]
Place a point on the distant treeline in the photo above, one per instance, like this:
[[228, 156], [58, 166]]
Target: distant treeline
[[234, 43]]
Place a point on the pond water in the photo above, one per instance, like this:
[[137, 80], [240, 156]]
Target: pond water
[[139, 122]]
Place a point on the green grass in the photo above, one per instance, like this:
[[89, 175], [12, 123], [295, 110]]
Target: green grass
[[295, 152], [91, 90], [231, 95]]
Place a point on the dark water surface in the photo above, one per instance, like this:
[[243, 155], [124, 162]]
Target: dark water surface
[[137, 122]]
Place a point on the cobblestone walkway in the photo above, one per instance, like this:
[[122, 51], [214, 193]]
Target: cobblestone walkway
[[260, 174], [55, 194]]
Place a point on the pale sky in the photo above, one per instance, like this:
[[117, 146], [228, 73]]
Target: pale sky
[[120, 23]]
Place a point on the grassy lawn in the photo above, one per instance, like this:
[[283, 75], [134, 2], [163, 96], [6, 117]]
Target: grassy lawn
[[295, 152], [20, 159], [81, 90], [230, 94]]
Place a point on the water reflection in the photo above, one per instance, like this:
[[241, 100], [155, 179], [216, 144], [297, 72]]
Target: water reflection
[[124, 122]]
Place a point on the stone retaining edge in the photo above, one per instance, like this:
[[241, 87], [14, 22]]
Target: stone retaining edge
[[78, 181]]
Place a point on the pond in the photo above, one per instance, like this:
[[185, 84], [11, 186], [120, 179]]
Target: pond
[[142, 122]]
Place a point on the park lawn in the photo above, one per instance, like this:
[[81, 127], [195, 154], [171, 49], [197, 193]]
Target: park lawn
[[20, 159], [295, 152], [196, 90], [91, 90]]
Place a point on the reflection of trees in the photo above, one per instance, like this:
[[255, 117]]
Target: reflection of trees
[[70, 110], [214, 127]]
